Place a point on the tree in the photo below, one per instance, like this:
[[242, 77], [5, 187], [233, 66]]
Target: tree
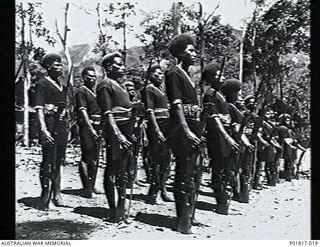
[[219, 40], [102, 45], [120, 12], [158, 31], [70, 93], [273, 33], [29, 21]]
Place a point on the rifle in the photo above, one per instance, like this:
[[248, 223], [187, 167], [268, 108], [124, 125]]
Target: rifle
[[131, 191], [222, 67], [67, 99], [239, 133], [19, 69]]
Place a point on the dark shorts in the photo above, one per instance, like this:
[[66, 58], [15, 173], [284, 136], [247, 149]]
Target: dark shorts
[[268, 154], [177, 140], [86, 138], [216, 143], [58, 130], [114, 150], [164, 126]]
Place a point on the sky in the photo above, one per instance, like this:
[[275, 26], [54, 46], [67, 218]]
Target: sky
[[84, 29]]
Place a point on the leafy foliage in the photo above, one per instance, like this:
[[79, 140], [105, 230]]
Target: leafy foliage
[[219, 40], [33, 18], [281, 30], [277, 47]]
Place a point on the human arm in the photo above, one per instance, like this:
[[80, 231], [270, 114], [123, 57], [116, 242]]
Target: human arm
[[246, 142], [191, 137], [262, 140], [175, 95], [231, 142], [104, 102], [154, 124], [43, 126], [84, 115], [40, 100], [81, 105], [150, 105]]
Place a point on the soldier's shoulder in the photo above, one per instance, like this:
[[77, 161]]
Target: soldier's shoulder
[[42, 82], [81, 89], [173, 70], [210, 93], [150, 87], [103, 83], [282, 128]]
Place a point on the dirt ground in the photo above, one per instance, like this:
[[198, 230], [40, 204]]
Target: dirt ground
[[281, 212]]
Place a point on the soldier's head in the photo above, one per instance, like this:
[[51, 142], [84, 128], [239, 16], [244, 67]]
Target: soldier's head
[[130, 88], [114, 65], [250, 102], [285, 119], [231, 89], [89, 76], [182, 48], [52, 63], [155, 75], [269, 113], [167, 61], [211, 74]]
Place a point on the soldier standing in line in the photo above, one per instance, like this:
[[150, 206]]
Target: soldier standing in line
[[260, 142], [116, 107], [185, 130], [137, 132], [271, 164], [50, 103], [279, 150], [157, 126], [89, 121], [290, 144], [231, 89], [221, 146]]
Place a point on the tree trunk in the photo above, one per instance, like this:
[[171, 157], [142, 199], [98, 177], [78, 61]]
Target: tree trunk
[[176, 18], [254, 60], [202, 44], [102, 35], [124, 38], [63, 39], [241, 52], [281, 88], [25, 84]]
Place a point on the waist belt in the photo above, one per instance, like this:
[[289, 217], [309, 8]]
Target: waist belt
[[122, 115], [51, 109], [55, 112], [95, 119], [225, 119], [161, 113], [191, 111]]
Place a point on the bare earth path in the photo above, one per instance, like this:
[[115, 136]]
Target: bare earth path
[[281, 212]]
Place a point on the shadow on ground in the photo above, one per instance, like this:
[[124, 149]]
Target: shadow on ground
[[53, 229], [96, 212], [75, 192], [156, 220], [33, 202], [138, 197], [205, 193], [205, 206]]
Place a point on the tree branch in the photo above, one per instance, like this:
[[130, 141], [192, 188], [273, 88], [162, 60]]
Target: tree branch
[[205, 22], [99, 19], [58, 32], [66, 29]]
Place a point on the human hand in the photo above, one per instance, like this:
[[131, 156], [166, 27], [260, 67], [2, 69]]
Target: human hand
[[48, 137], [124, 141], [193, 139]]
